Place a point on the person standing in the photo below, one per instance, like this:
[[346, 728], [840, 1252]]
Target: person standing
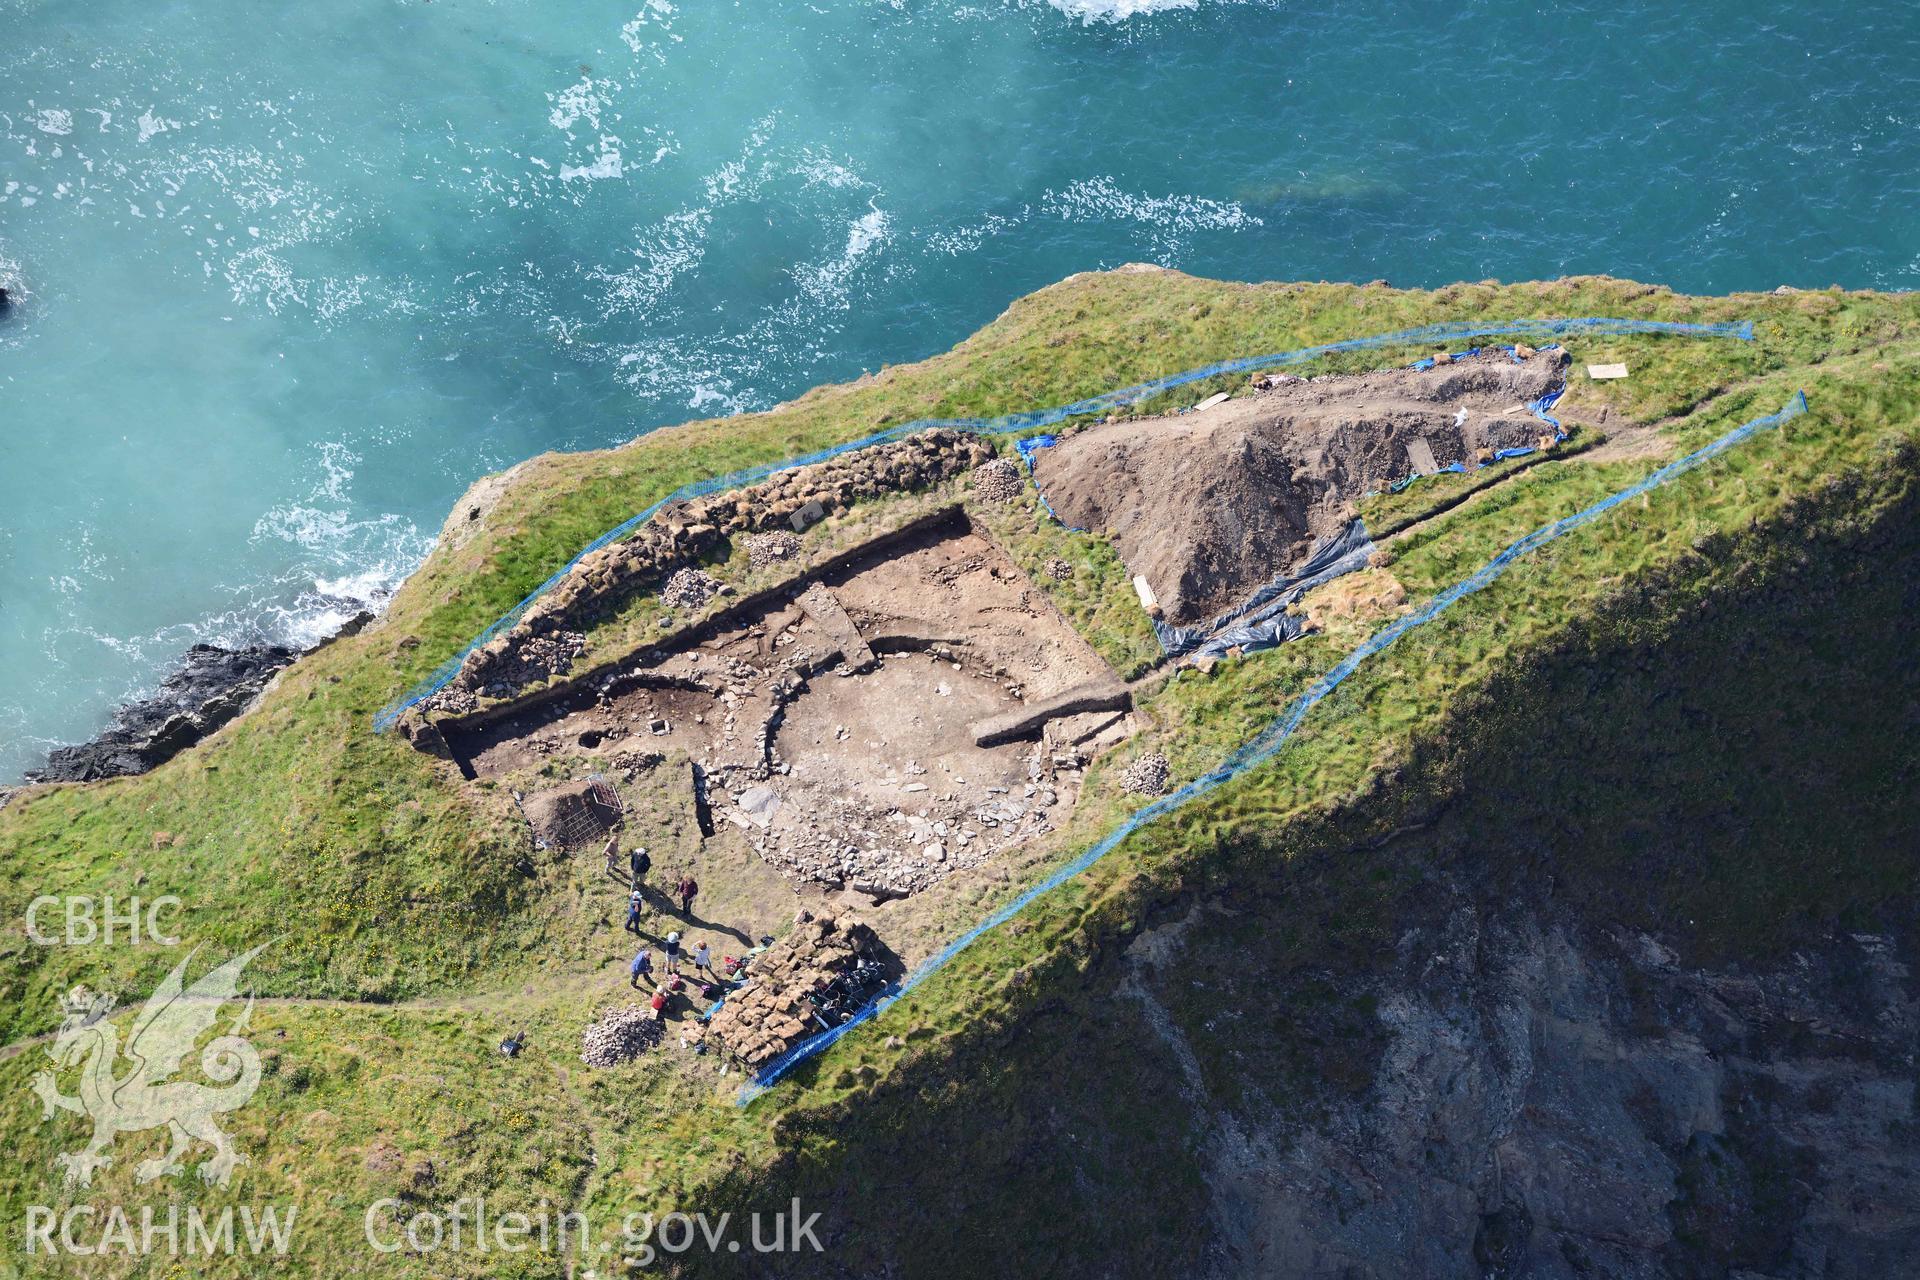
[[673, 953], [633, 910], [639, 862], [642, 967], [703, 961], [688, 887]]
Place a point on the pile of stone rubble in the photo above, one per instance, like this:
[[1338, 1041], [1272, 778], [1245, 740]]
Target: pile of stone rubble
[[892, 853], [764, 549], [1147, 776], [621, 1035], [688, 589], [998, 481]]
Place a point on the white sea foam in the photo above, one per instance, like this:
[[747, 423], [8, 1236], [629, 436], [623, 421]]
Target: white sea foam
[[821, 169], [868, 231], [605, 165], [954, 241], [337, 462], [1170, 220], [151, 126], [673, 247], [657, 13], [343, 565], [694, 376], [263, 276], [1089, 11], [708, 373], [585, 101], [331, 603], [825, 285]]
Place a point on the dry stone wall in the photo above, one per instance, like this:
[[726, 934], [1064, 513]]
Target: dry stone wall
[[681, 535]]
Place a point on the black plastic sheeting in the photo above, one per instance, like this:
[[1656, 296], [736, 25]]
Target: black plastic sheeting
[[1262, 620]]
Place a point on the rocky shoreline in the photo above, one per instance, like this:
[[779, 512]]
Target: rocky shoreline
[[211, 687]]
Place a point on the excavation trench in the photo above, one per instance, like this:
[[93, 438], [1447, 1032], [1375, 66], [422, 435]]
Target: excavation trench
[[912, 709], [836, 725]]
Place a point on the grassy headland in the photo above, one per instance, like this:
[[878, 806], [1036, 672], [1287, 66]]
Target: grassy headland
[[407, 935]]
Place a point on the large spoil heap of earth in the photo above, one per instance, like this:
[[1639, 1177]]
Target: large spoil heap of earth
[[1206, 506]]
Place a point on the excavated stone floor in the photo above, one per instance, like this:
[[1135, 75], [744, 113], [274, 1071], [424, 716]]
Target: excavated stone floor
[[838, 723]]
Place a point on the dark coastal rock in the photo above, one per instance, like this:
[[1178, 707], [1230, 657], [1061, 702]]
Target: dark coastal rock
[[212, 686]]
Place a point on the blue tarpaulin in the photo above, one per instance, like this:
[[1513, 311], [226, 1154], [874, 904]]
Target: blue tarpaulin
[[1027, 449], [1261, 621]]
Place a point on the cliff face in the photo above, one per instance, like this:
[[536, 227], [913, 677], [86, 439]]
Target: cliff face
[[1638, 996], [1544, 1104], [1614, 978]]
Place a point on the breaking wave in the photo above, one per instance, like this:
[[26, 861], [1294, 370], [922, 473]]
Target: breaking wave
[[1090, 11]]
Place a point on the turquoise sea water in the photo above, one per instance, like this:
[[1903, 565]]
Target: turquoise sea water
[[289, 277]]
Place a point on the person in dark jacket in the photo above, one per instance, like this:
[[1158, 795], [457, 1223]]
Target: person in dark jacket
[[638, 864]]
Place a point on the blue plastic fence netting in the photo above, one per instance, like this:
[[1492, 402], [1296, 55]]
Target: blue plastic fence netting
[[1267, 744], [1036, 419], [1027, 448]]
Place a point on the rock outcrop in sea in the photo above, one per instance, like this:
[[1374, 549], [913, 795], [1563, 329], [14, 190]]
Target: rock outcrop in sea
[[212, 686]]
